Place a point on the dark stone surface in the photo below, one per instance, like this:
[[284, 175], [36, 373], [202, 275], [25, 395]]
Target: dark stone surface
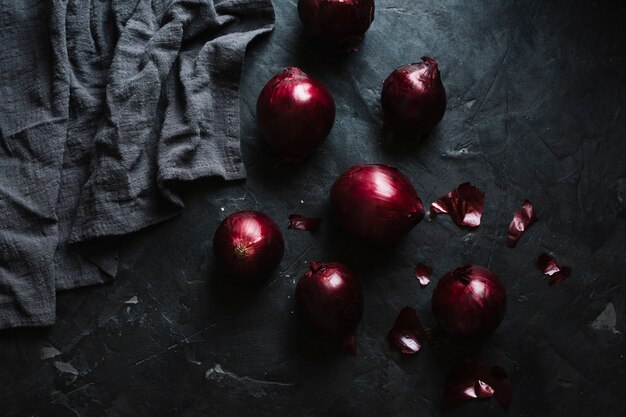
[[535, 96]]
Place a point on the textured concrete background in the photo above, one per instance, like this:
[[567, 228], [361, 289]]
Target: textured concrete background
[[535, 96]]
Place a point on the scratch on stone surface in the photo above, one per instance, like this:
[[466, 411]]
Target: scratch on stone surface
[[617, 113], [71, 409], [566, 177], [573, 365], [80, 388], [532, 129], [174, 346], [469, 103], [172, 325], [621, 190], [252, 196], [493, 81], [398, 10], [536, 8], [509, 357], [217, 373], [607, 320], [493, 244], [506, 117], [362, 99], [48, 352], [298, 258], [284, 48], [154, 342]]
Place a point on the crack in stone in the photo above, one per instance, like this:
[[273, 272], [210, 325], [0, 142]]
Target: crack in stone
[[218, 374]]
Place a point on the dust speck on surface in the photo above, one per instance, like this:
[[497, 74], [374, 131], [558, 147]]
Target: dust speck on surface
[[68, 372], [216, 373], [47, 352], [65, 367], [607, 320], [132, 300]]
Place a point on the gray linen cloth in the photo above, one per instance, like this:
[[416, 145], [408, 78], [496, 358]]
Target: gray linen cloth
[[104, 104]]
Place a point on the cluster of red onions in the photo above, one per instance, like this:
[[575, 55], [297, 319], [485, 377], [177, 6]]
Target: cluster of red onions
[[414, 99], [295, 114], [249, 245], [329, 299], [376, 203], [342, 23], [469, 301]]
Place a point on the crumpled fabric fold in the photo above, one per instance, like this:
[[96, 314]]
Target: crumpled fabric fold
[[104, 106]]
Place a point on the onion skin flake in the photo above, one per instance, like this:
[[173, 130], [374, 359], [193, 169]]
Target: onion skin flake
[[306, 224], [522, 220], [550, 267], [423, 274], [408, 334], [464, 204], [473, 380]]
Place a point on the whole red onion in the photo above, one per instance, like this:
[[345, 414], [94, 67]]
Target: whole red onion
[[469, 301], [295, 114], [339, 22], [249, 245], [375, 202], [329, 298], [413, 98]]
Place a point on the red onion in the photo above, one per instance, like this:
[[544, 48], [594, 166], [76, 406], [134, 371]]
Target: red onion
[[469, 301], [376, 203], [329, 298], [341, 23], [249, 245], [413, 98], [295, 114]]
